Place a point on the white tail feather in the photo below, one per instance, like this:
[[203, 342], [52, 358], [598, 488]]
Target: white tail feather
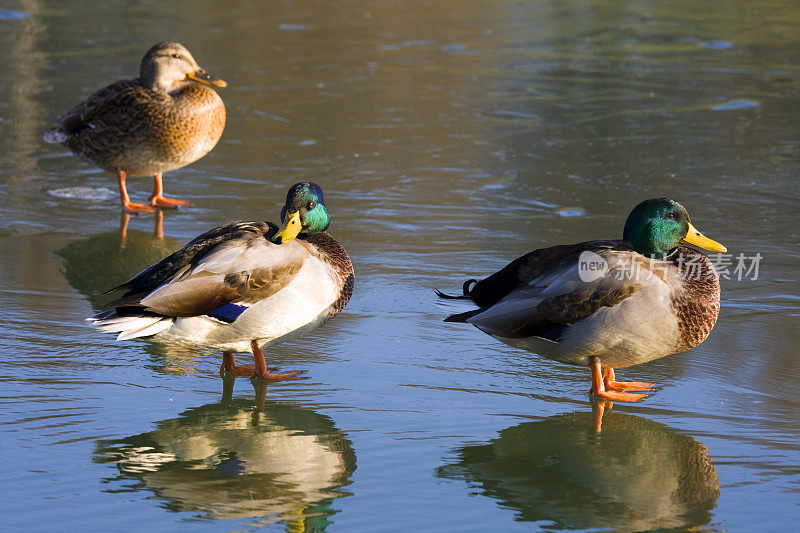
[[152, 329], [132, 323], [131, 327], [107, 324]]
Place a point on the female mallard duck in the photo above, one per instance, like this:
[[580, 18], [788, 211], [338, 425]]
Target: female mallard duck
[[241, 286], [160, 121], [606, 304]]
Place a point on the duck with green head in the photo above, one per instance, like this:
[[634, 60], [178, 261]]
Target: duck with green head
[[606, 304], [163, 120], [241, 286]]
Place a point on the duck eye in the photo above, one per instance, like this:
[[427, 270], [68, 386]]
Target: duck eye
[[671, 216], [312, 204], [177, 56]]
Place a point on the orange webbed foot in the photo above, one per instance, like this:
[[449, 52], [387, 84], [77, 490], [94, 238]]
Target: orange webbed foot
[[618, 396], [128, 206], [263, 372], [229, 365], [275, 376], [157, 198], [136, 208], [259, 371], [239, 370], [163, 201], [605, 386], [253, 373], [629, 385], [610, 382]]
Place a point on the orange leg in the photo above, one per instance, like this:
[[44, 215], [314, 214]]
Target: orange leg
[[127, 205], [229, 365], [613, 384], [159, 227], [158, 198], [123, 230], [598, 409], [260, 370], [599, 387], [158, 230]]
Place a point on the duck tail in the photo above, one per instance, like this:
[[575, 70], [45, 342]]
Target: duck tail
[[130, 326], [465, 290], [463, 317]]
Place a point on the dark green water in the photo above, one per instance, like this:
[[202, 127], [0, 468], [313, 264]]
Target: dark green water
[[450, 137]]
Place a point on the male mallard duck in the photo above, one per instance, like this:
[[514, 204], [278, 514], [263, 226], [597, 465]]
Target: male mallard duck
[[160, 121], [606, 304], [241, 286]]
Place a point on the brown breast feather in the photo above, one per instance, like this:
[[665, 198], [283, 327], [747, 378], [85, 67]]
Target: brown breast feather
[[696, 301]]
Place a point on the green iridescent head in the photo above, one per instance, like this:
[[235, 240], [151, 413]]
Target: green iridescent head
[[657, 226], [304, 213]]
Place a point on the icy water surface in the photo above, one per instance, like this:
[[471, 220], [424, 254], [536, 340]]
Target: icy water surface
[[450, 138]]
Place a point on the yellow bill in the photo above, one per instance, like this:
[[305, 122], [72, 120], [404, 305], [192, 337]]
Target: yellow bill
[[291, 229], [202, 76], [695, 238]]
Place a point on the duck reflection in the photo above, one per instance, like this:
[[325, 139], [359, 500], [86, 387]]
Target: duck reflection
[[634, 475], [93, 265], [234, 459]]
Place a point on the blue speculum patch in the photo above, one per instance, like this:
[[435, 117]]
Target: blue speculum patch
[[228, 312]]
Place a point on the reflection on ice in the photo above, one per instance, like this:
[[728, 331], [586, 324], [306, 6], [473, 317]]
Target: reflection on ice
[[634, 475], [102, 261], [233, 460]]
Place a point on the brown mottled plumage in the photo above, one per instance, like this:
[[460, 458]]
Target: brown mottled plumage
[[696, 302], [163, 120], [644, 297]]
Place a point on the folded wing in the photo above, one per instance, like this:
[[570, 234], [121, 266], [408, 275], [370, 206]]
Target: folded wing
[[549, 298], [101, 102], [233, 264]]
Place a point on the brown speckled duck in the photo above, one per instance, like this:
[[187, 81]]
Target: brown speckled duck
[[606, 304], [162, 120]]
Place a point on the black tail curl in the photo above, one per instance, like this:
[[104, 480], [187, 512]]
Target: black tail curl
[[465, 289]]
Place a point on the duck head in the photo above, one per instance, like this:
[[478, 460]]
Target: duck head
[[304, 213], [169, 67], [657, 226]]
